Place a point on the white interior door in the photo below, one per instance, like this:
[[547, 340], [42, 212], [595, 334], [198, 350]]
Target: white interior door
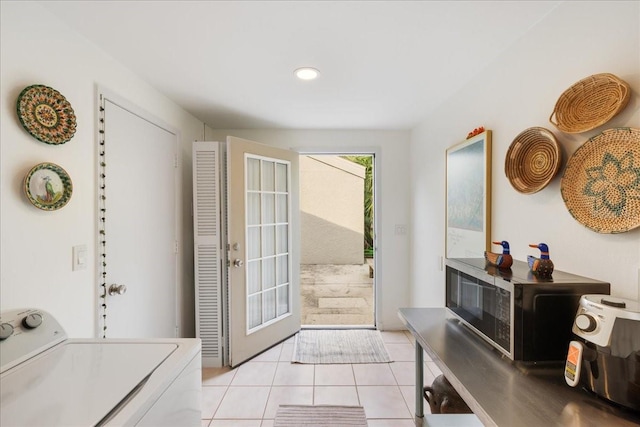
[[263, 235], [139, 164]]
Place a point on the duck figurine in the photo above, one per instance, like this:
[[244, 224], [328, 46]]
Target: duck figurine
[[503, 260], [542, 266]]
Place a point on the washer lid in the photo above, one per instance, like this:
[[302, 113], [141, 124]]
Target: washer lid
[[77, 383]]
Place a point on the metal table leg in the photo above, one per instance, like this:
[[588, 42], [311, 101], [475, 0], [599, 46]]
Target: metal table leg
[[419, 381]]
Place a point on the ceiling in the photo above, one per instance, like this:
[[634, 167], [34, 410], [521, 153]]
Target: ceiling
[[383, 64]]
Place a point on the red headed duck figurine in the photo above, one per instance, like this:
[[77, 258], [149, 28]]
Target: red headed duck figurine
[[501, 260], [542, 266]]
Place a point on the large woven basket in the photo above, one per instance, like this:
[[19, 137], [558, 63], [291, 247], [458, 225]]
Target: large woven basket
[[601, 183], [532, 160], [590, 103]]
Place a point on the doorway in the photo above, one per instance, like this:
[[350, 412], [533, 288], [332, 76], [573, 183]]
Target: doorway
[[337, 271], [222, 276]]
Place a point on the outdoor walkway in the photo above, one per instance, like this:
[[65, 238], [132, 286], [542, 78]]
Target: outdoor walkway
[[336, 295]]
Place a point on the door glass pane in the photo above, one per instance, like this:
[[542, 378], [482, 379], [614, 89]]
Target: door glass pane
[[282, 209], [282, 237], [253, 242], [283, 269], [283, 300], [281, 177], [270, 305], [269, 240], [253, 208], [268, 176], [253, 174], [254, 310], [268, 209], [268, 273], [253, 277]]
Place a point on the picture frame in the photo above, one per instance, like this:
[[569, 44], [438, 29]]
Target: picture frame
[[468, 197]]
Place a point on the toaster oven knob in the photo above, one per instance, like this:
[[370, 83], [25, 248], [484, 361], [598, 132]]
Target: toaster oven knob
[[586, 322]]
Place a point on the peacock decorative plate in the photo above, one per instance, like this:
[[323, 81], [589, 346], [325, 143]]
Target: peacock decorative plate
[[46, 114], [48, 186]]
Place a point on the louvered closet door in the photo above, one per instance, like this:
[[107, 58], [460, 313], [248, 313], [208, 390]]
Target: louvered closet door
[[207, 251]]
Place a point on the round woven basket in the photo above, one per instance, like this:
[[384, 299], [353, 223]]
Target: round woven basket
[[601, 183], [590, 103], [532, 160]]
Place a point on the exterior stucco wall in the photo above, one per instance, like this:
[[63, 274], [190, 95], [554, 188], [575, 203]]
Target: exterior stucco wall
[[332, 210]]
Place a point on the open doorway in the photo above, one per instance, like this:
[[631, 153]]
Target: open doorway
[[337, 271]]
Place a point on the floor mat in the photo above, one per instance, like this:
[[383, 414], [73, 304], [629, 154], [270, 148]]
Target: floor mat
[[320, 346], [320, 416]]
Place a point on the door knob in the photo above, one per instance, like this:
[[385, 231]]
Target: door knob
[[238, 263], [117, 289]]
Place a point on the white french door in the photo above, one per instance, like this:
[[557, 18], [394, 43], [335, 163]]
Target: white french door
[[263, 251]]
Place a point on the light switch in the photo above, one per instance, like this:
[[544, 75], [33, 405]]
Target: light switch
[[79, 257], [400, 229]]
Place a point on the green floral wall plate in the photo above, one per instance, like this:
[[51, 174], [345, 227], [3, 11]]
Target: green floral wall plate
[[601, 183], [48, 186], [46, 114]]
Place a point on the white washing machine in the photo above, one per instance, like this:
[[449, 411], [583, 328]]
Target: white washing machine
[[47, 379]]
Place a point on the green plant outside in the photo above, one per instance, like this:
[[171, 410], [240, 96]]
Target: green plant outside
[[367, 162]]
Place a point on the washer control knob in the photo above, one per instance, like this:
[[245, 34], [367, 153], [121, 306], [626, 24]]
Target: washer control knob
[[5, 331], [32, 321], [586, 322]]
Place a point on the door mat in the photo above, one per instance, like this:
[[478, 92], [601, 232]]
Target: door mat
[[320, 416], [320, 346]]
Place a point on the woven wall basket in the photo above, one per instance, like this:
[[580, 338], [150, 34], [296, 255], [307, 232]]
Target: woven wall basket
[[533, 159], [601, 183], [590, 103]]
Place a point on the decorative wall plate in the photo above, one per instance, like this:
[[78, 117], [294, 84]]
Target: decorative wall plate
[[46, 114], [601, 183], [48, 186]]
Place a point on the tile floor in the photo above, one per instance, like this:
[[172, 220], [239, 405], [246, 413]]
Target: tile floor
[[249, 395]]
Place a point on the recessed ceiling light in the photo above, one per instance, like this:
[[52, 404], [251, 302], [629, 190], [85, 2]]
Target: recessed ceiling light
[[306, 73]]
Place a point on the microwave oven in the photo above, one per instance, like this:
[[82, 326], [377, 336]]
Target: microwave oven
[[525, 317]]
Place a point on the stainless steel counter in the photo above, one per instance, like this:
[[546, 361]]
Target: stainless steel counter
[[500, 392]]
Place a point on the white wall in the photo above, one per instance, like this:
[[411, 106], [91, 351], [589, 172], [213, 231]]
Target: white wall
[[35, 250], [392, 272], [516, 92]]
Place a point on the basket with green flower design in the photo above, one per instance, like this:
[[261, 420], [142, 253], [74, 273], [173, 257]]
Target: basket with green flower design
[[601, 183]]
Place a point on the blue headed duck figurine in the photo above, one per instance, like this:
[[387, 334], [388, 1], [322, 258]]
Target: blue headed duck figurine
[[542, 266], [501, 260]]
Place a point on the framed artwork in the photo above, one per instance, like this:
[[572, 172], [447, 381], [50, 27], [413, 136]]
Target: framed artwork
[[468, 197]]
